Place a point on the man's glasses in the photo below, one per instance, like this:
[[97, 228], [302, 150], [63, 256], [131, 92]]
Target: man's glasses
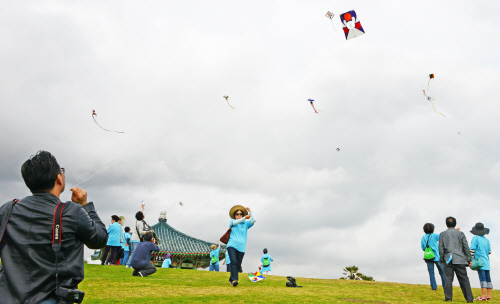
[[62, 170]]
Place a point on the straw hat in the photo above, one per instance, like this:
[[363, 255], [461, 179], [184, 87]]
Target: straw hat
[[479, 229], [237, 207]]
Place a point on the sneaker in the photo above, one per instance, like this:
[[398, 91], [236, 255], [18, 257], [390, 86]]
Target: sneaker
[[480, 299], [134, 274], [140, 273], [488, 298], [235, 283], [128, 266]]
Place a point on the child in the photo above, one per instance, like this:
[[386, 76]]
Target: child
[[214, 258], [140, 259], [167, 262], [126, 247], [266, 260]]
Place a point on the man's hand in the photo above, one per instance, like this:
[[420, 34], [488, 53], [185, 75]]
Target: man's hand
[[79, 196], [458, 228], [470, 264]]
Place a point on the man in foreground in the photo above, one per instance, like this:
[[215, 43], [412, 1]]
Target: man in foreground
[[140, 260], [28, 258], [455, 257]]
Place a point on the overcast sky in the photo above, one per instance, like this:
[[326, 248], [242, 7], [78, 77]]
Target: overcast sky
[[158, 71]]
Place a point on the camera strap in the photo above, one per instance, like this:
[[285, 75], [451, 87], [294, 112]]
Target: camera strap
[[57, 234], [6, 218]]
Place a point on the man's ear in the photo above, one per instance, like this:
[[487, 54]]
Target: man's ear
[[59, 180]]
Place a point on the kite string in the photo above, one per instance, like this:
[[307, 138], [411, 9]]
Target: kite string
[[333, 25], [435, 109], [125, 156]]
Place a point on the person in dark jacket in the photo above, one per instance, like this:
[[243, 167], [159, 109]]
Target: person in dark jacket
[[28, 260], [140, 260]]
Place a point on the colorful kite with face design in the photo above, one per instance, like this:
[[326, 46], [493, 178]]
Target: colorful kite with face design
[[352, 27]]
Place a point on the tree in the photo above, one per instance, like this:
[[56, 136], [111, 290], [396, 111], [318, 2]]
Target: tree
[[351, 273]]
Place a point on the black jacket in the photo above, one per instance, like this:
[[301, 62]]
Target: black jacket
[[29, 274]]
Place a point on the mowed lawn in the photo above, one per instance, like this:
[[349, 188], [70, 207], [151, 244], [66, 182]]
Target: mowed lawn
[[115, 284]]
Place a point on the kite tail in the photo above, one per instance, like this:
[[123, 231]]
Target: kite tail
[[333, 25], [435, 109], [103, 128], [230, 105]]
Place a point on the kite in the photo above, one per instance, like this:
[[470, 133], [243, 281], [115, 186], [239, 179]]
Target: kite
[[458, 133], [94, 114], [338, 149], [431, 76], [330, 16], [352, 27], [431, 99], [255, 277], [181, 203], [227, 97], [311, 101]]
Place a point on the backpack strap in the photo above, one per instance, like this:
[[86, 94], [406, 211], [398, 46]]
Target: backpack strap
[[6, 218], [428, 240]]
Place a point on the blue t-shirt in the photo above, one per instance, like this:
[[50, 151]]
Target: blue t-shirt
[[228, 260], [433, 243], [214, 252], [126, 236], [114, 234], [238, 238], [268, 268], [142, 254], [166, 263], [481, 245]]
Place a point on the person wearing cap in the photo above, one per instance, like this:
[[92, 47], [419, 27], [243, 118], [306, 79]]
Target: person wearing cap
[[480, 247], [455, 256], [266, 260], [430, 238], [214, 258], [238, 239], [167, 262]]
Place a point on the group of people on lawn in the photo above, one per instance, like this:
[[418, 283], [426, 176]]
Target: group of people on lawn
[[452, 256]]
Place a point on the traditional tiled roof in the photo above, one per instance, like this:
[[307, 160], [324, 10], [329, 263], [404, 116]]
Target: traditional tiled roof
[[172, 240]]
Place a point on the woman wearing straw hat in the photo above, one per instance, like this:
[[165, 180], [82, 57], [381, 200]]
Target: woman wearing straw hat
[[238, 238], [480, 246]]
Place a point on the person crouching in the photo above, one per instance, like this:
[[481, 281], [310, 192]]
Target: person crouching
[[142, 254]]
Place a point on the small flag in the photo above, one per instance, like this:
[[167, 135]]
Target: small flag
[[330, 15], [255, 277]]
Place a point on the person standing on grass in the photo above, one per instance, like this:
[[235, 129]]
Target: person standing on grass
[[126, 246], [430, 238], [480, 246], [28, 273], [137, 233], [114, 244], [166, 262], [227, 261], [238, 238], [455, 257], [214, 258], [140, 260], [266, 260]]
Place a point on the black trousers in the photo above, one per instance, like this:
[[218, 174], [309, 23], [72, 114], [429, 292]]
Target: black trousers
[[112, 256], [463, 280], [236, 258], [149, 269]]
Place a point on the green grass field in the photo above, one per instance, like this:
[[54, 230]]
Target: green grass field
[[115, 284]]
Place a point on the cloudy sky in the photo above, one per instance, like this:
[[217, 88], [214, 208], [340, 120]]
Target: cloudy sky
[[157, 71]]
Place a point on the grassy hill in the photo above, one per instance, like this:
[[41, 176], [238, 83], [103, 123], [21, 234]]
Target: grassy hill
[[115, 284]]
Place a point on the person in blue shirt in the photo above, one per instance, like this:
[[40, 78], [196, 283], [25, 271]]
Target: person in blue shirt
[[238, 239], [432, 239], [113, 244], [480, 247], [126, 245], [214, 258], [140, 260], [227, 262], [266, 260], [167, 261]]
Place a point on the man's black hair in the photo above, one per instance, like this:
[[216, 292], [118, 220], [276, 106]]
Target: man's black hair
[[428, 228], [139, 216], [451, 222], [40, 172], [147, 237], [127, 229], [115, 218]]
